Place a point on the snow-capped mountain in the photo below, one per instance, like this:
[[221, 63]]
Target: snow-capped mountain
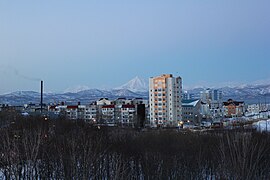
[[247, 93], [85, 97], [135, 88], [136, 85], [76, 89]]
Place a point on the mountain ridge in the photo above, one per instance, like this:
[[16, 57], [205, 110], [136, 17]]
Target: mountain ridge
[[135, 88]]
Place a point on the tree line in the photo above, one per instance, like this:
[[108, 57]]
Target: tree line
[[37, 148]]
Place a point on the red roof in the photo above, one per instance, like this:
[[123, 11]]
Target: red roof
[[108, 106], [128, 106], [72, 107]]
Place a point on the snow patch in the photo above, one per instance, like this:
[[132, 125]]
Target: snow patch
[[262, 126]]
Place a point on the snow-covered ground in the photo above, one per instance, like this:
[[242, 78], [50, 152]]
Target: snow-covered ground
[[262, 126]]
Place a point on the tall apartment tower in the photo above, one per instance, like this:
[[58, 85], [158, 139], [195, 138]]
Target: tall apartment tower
[[165, 100]]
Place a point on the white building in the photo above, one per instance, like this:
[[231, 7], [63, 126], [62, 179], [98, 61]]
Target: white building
[[103, 101], [165, 94], [253, 109], [127, 115], [212, 98], [205, 110], [191, 111], [108, 114], [91, 113], [75, 112]]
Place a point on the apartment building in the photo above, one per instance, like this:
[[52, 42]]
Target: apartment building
[[165, 94], [122, 112], [87, 113], [107, 114], [127, 115], [233, 108]]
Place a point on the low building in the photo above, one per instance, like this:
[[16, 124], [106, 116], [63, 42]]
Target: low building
[[127, 115], [191, 111], [87, 113], [72, 112], [103, 101], [205, 111], [108, 114], [91, 114], [233, 108], [253, 109], [122, 111]]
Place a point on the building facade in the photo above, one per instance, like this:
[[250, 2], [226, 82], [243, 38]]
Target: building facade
[[165, 94], [122, 112], [191, 111], [188, 96], [233, 108]]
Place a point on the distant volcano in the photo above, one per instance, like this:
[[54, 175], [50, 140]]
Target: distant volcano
[[136, 85]]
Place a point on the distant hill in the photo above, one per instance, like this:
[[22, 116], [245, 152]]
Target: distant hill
[[85, 97], [135, 88], [248, 93]]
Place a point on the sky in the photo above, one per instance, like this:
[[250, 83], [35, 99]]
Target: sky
[[103, 44]]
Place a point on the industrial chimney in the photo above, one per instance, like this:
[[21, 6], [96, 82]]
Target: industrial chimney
[[41, 96]]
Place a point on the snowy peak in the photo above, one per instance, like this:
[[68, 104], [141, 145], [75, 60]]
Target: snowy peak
[[136, 85], [76, 89]]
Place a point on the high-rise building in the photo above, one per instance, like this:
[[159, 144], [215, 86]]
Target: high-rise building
[[215, 94], [188, 96], [165, 93]]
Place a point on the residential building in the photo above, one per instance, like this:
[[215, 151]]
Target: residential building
[[122, 101], [233, 108], [215, 94], [72, 112], [127, 117], [211, 95], [191, 111], [205, 96], [118, 108], [87, 113], [205, 111], [253, 109], [108, 114], [165, 94], [187, 95], [212, 98], [91, 114], [122, 111], [103, 101]]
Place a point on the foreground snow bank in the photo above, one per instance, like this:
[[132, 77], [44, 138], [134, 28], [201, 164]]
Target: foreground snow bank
[[262, 126]]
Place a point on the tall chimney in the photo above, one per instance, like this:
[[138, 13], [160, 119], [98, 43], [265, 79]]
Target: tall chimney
[[41, 96]]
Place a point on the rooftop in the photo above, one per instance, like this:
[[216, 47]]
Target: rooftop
[[190, 102]]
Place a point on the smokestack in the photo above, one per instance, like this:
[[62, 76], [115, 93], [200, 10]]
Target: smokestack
[[41, 96]]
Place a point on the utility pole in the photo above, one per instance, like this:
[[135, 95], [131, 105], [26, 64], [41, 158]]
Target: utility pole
[[41, 97]]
